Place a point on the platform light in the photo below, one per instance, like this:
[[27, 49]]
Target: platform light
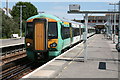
[[113, 4]]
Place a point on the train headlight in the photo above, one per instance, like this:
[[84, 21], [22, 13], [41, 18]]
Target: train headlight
[[28, 44], [53, 44]]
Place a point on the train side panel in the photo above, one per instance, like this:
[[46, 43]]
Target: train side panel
[[59, 45], [76, 33]]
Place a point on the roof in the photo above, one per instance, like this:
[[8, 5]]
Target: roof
[[53, 17], [44, 15]]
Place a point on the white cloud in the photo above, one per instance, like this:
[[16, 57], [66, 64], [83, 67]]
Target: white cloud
[[62, 0]]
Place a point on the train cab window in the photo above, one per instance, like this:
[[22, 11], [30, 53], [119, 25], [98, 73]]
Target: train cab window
[[52, 30], [29, 30]]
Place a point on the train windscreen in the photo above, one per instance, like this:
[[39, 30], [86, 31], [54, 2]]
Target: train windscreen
[[52, 30], [29, 30]]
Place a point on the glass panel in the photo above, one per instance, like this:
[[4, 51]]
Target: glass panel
[[52, 30], [29, 30], [76, 31], [65, 32]]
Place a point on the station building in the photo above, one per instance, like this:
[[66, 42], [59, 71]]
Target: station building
[[99, 21]]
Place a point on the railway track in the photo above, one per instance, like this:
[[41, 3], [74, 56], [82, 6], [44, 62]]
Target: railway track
[[12, 53], [14, 63], [18, 69], [15, 69], [12, 57]]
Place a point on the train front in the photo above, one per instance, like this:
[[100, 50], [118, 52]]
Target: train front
[[41, 36]]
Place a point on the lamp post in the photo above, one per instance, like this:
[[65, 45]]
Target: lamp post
[[118, 44], [21, 19], [85, 35], [7, 10], [110, 24], [114, 20]]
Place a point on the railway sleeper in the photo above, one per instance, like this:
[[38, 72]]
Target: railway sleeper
[[13, 71]]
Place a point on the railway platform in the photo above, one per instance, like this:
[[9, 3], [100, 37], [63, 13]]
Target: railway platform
[[102, 62], [11, 42]]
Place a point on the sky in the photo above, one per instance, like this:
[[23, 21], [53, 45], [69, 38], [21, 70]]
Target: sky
[[60, 8], [63, 0]]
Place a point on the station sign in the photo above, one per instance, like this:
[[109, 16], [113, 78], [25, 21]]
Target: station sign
[[74, 7]]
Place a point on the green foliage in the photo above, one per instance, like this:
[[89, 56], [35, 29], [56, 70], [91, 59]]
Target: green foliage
[[28, 11], [0, 23], [9, 26]]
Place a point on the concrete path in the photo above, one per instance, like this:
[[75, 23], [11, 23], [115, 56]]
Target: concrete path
[[99, 50]]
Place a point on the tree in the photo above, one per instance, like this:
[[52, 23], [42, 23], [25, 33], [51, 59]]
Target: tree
[[28, 11], [9, 26]]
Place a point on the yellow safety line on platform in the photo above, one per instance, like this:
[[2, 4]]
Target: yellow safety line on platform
[[77, 54], [75, 57]]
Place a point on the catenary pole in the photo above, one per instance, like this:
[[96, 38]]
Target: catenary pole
[[114, 24], [119, 29], [85, 36], [21, 19]]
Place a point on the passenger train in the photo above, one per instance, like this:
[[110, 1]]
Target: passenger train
[[47, 35]]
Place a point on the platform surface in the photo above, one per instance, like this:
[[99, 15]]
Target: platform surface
[[12, 41], [71, 64], [99, 50]]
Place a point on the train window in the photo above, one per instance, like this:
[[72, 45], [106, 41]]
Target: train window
[[76, 31], [65, 32], [82, 30], [29, 30], [52, 30]]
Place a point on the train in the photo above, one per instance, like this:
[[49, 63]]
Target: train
[[47, 35]]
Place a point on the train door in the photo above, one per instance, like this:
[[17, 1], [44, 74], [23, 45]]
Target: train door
[[80, 31], [40, 34], [71, 36]]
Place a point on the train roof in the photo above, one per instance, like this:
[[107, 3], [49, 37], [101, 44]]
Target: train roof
[[57, 19], [65, 20], [44, 15], [53, 17]]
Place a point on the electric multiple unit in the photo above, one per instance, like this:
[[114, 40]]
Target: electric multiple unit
[[47, 35]]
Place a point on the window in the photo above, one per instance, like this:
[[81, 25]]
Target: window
[[29, 30], [65, 32], [82, 30], [52, 30], [76, 31]]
